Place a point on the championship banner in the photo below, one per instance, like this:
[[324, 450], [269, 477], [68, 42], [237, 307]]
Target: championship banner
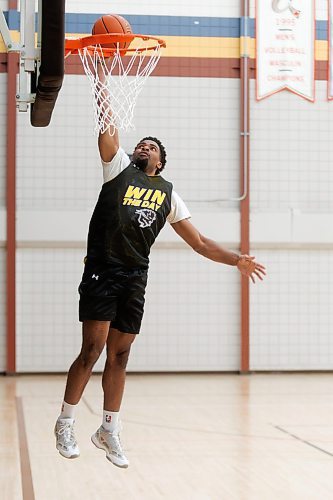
[[285, 45]]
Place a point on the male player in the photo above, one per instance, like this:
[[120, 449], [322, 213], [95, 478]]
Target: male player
[[133, 206]]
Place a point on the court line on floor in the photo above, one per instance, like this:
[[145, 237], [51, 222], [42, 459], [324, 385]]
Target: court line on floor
[[26, 476], [304, 441]]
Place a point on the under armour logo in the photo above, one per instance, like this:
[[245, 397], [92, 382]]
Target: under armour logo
[[108, 418], [95, 276]]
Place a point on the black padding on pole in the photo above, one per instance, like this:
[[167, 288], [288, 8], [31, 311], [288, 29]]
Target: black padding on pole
[[52, 62]]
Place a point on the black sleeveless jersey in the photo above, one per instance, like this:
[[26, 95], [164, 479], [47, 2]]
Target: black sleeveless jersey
[[130, 212]]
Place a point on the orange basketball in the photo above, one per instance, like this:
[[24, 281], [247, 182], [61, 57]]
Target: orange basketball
[[112, 23]]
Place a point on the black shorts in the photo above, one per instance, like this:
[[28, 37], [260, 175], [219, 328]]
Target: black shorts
[[113, 293]]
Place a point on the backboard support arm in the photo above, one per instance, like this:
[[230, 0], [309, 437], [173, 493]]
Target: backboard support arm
[[29, 53]]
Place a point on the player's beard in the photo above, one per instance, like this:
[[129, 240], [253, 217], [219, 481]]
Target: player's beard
[[141, 163]]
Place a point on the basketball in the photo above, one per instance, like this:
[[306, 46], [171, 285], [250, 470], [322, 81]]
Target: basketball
[[112, 23]]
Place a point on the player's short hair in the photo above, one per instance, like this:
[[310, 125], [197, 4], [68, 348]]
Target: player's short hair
[[162, 149]]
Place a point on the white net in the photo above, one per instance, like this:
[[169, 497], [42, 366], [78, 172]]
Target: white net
[[116, 82]]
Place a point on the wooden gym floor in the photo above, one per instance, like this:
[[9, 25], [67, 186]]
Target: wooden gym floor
[[188, 437]]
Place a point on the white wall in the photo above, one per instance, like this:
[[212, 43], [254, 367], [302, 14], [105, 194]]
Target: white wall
[[48, 333], [291, 228], [291, 323], [292, 153], [291, 231], [191, 320], [213, 8], [196, 119], [192, 313]]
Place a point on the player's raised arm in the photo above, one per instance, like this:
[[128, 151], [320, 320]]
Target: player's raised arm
[[108, 144], [213, 251]]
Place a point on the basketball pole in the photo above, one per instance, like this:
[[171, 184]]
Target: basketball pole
[[245, 187], [12, 69], [12, 61]]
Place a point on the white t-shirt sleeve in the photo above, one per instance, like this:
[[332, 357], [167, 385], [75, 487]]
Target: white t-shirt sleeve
[[113, 168], [179, 210]]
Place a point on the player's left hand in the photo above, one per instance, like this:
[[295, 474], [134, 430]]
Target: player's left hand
[[250, 268]]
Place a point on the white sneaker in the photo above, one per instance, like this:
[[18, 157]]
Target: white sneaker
[[65, 438], [110, 442]]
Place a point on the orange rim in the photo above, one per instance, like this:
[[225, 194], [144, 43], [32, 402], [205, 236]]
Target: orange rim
[[72, 46]]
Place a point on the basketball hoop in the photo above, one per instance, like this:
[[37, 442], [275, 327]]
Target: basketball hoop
[[116, 75]]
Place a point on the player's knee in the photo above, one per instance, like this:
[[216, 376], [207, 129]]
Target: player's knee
[[118, 360], [89, 355], [122, 358]]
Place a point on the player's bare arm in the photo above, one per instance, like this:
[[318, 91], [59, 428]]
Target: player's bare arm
[[108, 144], [213, 251]]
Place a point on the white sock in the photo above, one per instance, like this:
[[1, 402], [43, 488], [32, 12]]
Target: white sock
[[67, 410], [110, 420]]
